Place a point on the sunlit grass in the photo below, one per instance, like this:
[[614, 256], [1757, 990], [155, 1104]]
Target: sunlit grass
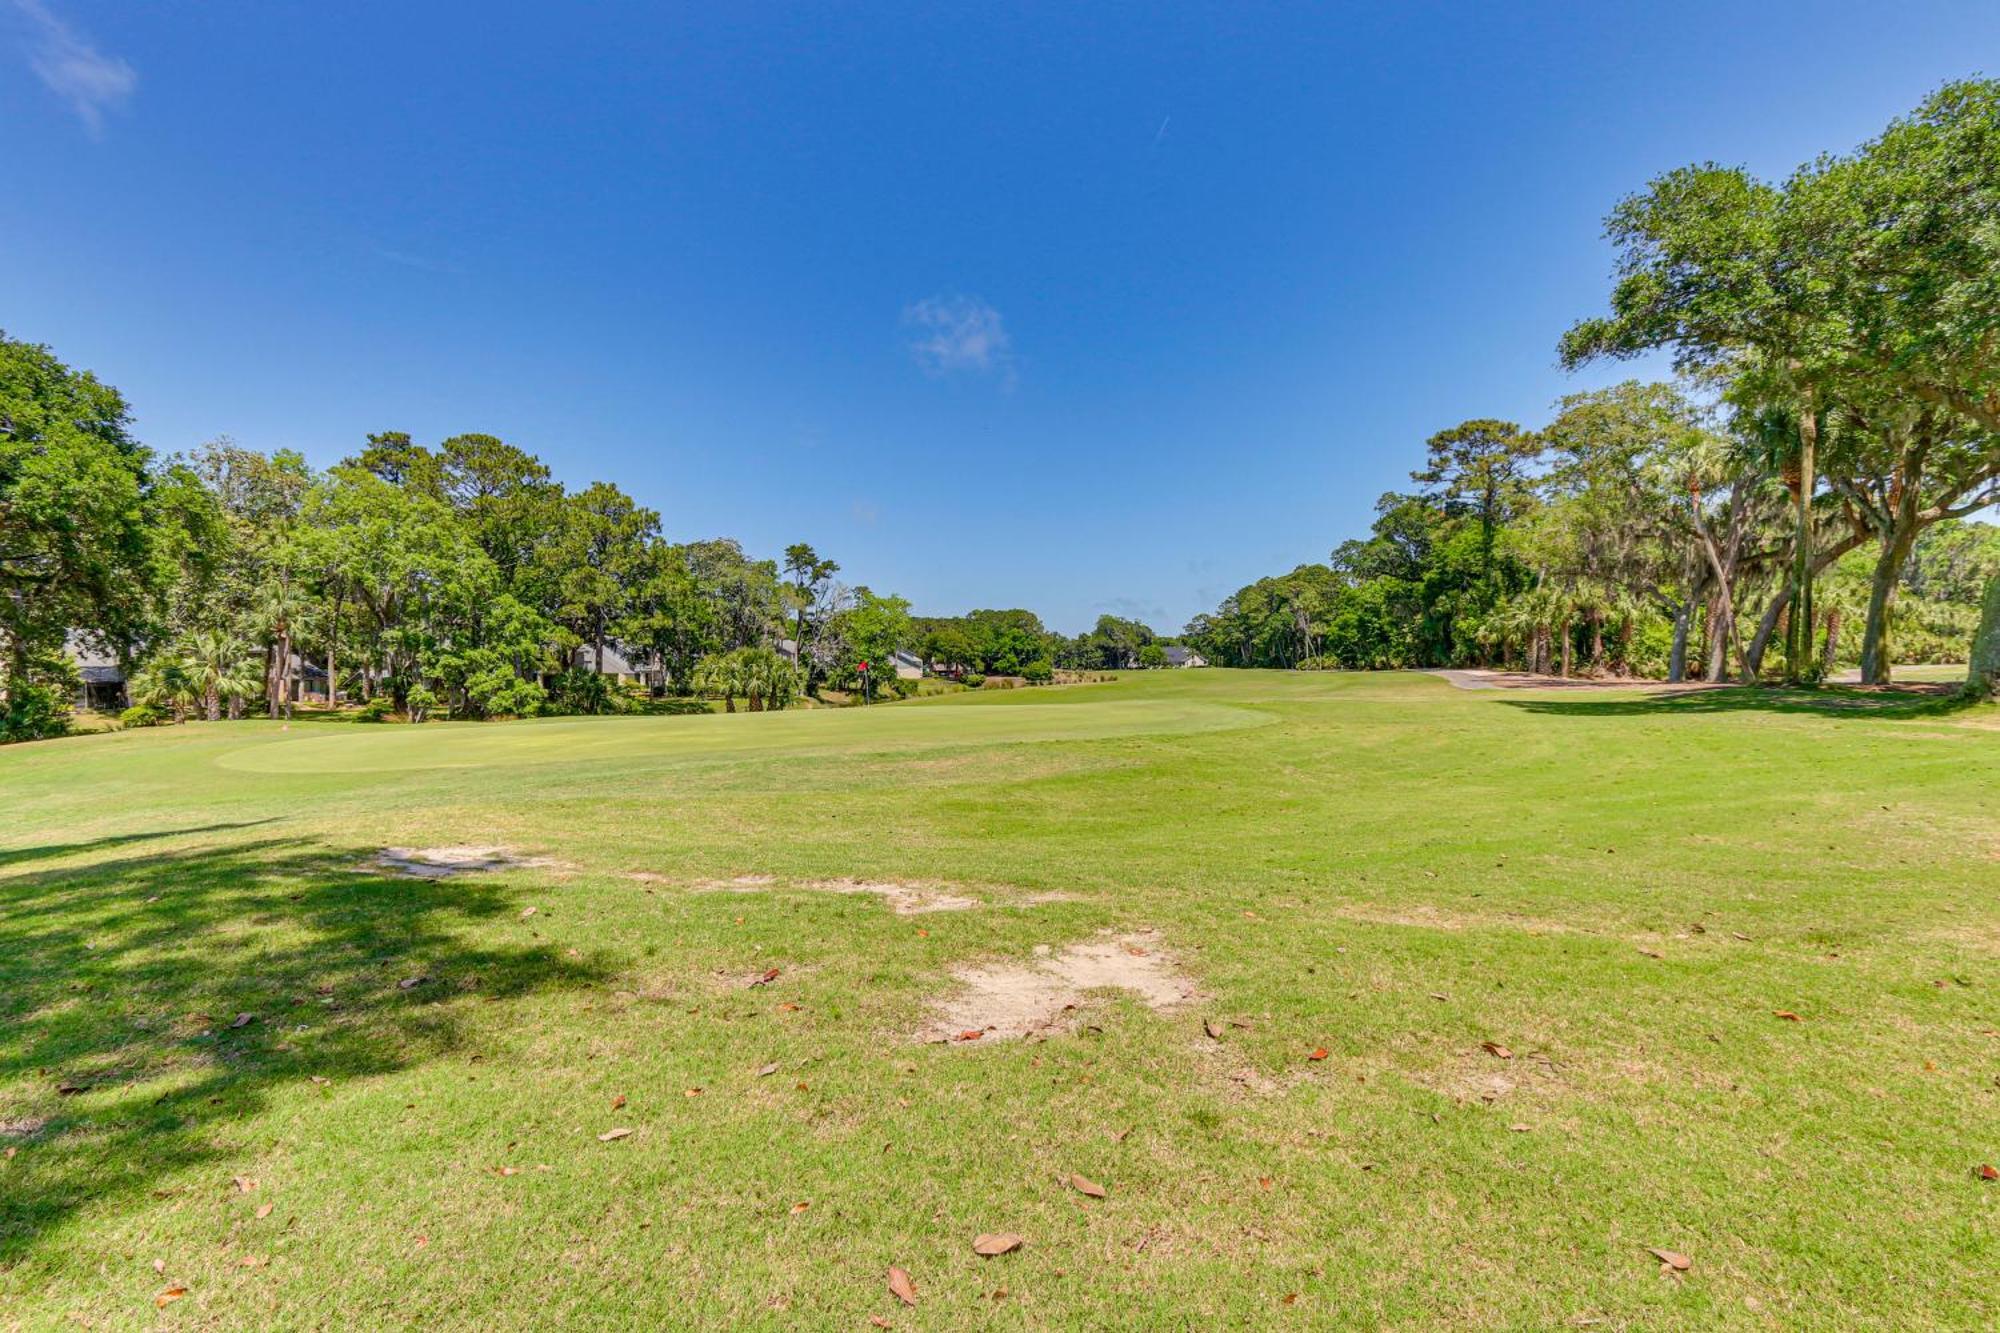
[[1620, 892]]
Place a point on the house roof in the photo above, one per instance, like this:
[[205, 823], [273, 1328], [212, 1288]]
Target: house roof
[[1176, 654]]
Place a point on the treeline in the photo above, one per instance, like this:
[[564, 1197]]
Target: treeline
[[1016, 643], [457, 580], [1837, 418]]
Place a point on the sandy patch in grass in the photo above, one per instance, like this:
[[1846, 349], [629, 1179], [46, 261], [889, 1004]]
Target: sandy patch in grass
[[444, 862], [1002, 1000], [903, 899]]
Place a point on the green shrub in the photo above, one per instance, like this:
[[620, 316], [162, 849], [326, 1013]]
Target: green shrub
[[423, 702], [34, 713], [974, 681], [1038, 673], [142, 715], [580, 691], [379, 709]]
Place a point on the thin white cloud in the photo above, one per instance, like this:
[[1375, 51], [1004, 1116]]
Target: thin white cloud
[[424, 262], [954, 333], [72, 67]]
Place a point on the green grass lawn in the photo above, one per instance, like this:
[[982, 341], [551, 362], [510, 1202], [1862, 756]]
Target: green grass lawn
[[1621, 893]]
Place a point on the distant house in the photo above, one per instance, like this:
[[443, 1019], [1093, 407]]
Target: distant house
[[103, 685], [1178, 656], [617, 666], [908, 665]]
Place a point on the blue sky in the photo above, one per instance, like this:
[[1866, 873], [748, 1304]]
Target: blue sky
[[1082, 308]]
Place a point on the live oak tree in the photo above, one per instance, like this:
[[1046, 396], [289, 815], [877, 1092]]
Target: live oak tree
[[76, 495]]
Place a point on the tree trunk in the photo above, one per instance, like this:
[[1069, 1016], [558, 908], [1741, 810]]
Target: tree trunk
[[1567, 639], [332, 655], [1677, 659], [1983, 680], [1596, 642], [1875, 653], [1798, 641], [1718, 635], [1831, 653]]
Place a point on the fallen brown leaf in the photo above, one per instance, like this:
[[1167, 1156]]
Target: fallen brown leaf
[[618, 1101], [527, 912], [611, 1135], [970, 1034], [768, 1070], [1788, 1016], [170, 1295], [159, 1265], [1212, 1028], [879, 1322], [988, 1244], [1673, 1259], [251, 1261], [244, 1020], [901, 1287], [769, 976], [411, 983], [1987, 1171], [1496, 1050], [801, 1206], [264, 1210], [243, 1184], [1318, 1054], [1085, 1185]]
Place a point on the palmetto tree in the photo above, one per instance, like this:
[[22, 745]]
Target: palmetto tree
[[165, 686], [283, 609], [768, 679], [219, 666], [723, 675]]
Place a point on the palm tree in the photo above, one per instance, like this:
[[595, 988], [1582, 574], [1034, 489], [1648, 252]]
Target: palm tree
[[165, 686], [220, 667], [284, 610], [723, 675]]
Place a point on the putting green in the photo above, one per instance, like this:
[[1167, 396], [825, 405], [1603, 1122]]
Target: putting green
[[359, 749]]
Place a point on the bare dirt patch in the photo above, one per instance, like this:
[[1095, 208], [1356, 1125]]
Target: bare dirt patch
[[903, 898], [444, 862], [1044, 994]]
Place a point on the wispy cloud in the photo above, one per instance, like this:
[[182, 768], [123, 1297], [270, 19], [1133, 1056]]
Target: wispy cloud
[[954, 333], [424, 262], [72, 67]]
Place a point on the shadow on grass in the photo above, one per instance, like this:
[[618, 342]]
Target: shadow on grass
[[1832, 702], [47, 851], [121, 983]]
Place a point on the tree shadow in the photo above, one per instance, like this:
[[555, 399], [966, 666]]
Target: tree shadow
[[122, 1054], [48, 851], [1838, 702]]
